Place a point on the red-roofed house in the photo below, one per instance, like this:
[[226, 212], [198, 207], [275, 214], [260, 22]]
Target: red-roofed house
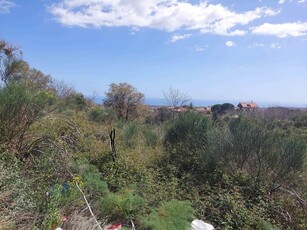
[[247, 106]]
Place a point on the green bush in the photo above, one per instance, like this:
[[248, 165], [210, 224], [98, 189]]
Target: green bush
[[124, 205], [186, 140], [300, 121], [119, 175], [19, 109], [263, 154], [52, 217], [190, 128], [93, 182], [151, 136], [130, 134], [172, 215], [62, 199], [101, 115], [263, 225], [16, 195], [73, 102]]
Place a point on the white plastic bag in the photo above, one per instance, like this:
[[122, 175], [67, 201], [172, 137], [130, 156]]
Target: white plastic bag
[[200, 225]]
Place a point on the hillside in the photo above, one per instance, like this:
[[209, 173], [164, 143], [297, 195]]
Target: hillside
[[68, 162]]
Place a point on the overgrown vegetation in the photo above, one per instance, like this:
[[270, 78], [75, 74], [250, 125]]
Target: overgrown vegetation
[[60, 164]]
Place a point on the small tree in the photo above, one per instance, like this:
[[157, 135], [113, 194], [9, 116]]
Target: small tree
[[20, 107], [12, 67], [227, 107], [176, 98], [216, 109], [125, 100]]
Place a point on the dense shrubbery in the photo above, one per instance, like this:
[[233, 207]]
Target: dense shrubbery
[[102, 115], [186, 141], [172, 215], [162, 171]]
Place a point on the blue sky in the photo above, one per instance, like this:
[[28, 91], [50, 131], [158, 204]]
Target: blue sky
[[211, 50]]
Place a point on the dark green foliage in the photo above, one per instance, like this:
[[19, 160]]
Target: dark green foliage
[[90, 176], [222, 108], [102, 115], [263, 225], [262, 153], [151, 136], [226, 206], [216, 109], [227, 107], [119, 175], [191, 128], [19, 109], [255, 158], [300, 121], [123, 205], [130, 134], [94, 184], [75, 101], [172, 215], [186, 140]]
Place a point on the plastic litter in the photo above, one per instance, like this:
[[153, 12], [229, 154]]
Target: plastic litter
[[117, 226], [200, 225]]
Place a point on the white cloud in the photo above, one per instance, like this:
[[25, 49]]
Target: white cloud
[[5, 6], [256, 45], [168, 15], [177, 37], [298, 1], [284, 1], [275, 45], [200, 49], [230, 44], [295, 29]]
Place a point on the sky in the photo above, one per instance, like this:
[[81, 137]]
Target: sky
[[222, 50]]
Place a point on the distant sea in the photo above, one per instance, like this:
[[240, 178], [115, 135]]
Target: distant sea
[[200, 102], [162, 101]]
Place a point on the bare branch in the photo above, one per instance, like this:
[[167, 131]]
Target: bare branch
[[294, 193], [88, 205], [176, 98]]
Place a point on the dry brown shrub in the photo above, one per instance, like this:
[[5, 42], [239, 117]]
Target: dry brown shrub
[[79, 221]]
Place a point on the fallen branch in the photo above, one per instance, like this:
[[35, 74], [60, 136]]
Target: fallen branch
[[293, 193], [133, 226], [88, 205], [288, 215]]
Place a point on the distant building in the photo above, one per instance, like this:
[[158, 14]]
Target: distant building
[[203, 109], [247, 106], [179, 109]]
